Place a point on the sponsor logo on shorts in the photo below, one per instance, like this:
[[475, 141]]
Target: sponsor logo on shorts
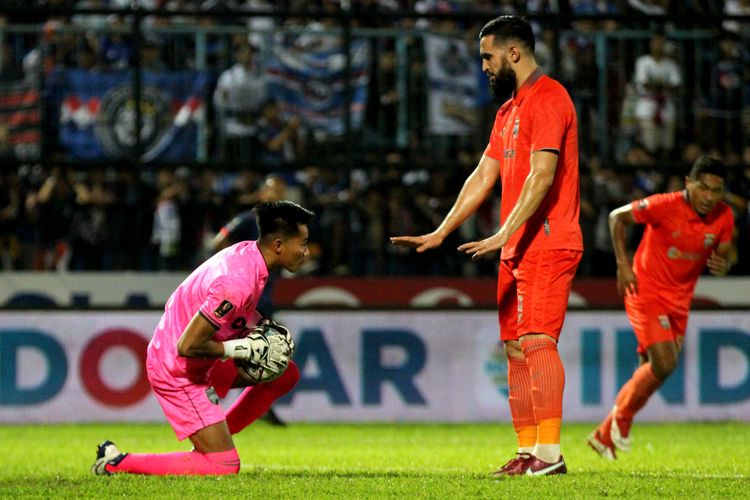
[[212, 396], [223, 309], [520, 308], [664, 321]]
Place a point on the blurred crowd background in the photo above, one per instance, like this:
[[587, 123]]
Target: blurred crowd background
[[371, 112]]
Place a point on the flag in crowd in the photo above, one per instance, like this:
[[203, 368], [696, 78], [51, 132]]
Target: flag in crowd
[[98, 114], [312, 85], [19, 118], [453, 90]]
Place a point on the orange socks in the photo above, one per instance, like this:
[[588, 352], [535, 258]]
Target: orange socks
[[636, 392], [521, 408], [547, 377]]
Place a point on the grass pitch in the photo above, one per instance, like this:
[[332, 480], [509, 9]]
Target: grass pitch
[[383, 461]]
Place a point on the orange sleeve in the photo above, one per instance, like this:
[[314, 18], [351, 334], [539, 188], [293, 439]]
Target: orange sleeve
[[650, 210]]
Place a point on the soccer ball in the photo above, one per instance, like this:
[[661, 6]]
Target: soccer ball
[[257, 373]]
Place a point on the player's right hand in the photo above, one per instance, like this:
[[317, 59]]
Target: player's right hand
[[627, 283], [421, 243]]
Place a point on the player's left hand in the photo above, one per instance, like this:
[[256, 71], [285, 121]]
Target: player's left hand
[[478, 248], [717, 265]]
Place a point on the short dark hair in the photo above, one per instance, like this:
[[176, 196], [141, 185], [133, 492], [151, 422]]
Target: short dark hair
[[281, 217], [506, 28], [706, 164]]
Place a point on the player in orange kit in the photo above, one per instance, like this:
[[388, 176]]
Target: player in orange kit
[[533, 152], [685, 231]]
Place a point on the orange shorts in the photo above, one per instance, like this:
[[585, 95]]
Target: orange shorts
[[532, 292], [652, 322]]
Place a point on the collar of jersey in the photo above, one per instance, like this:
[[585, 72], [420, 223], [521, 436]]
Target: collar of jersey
[[526, 85]]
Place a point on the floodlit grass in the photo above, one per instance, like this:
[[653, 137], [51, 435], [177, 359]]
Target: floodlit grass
[[383, 461]]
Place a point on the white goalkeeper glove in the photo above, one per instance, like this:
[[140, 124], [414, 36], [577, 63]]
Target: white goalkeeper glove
[[278, 354], [253, 348], [283, 330]]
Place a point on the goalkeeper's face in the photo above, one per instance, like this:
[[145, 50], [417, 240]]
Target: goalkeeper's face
[[294, 250]]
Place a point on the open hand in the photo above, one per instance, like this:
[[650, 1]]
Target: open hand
[[421, 243], [478, 248]]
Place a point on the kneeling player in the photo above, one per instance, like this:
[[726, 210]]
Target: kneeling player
[[204, 328]]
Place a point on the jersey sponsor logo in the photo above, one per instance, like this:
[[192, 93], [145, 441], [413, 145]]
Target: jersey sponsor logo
[[642, 205], [516, 125], [223, 309], [546, 227], [708, 240], [510, 153], [675, 253]]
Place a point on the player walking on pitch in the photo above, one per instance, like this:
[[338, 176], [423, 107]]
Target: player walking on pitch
[[206, 321], [533, 151], [685, 231]]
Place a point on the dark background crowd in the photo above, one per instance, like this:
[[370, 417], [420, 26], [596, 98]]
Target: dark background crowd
[[389, 176]]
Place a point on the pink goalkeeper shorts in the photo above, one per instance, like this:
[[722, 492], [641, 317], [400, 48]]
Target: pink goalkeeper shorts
[[189, 406]]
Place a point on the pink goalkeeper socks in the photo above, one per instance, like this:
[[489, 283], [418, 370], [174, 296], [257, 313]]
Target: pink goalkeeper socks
[[180, 463], [255, 401]]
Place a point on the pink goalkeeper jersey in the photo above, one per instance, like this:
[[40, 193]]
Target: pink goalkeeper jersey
[[225, 290]]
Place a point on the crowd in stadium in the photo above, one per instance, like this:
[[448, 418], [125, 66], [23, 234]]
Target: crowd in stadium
[[151, 218]]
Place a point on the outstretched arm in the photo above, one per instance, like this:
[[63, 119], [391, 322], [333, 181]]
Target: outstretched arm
[[619, 220], [476, 188], [540, 179]]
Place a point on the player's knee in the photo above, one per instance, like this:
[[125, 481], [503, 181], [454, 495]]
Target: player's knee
[[513, 349], [663, 366]]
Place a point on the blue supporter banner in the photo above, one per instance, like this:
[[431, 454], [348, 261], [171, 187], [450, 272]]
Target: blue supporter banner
[[98, 114], [312, 85]]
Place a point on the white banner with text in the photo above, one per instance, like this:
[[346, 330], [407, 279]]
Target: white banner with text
[[79, 366]]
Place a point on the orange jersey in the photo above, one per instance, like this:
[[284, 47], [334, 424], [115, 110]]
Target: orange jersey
[[540, 116], [675, 246]]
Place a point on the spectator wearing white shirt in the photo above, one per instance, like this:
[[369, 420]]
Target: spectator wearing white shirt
[[239, 96], [657, 78]]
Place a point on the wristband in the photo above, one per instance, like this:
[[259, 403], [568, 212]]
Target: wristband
[[236, 349]]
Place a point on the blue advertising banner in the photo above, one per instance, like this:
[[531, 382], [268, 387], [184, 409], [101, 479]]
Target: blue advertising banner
[[98, 114]]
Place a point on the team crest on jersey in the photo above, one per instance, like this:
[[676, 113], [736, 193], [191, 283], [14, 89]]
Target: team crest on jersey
[[516, 125], [708, 240], [642, 205], [223, 309]]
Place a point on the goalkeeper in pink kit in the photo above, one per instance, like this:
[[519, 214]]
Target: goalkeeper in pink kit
[[205, 327]]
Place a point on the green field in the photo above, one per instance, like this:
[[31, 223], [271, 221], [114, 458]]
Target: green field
[[383, 461]]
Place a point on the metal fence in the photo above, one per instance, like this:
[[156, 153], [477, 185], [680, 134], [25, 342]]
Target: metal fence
[[69, 89]]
